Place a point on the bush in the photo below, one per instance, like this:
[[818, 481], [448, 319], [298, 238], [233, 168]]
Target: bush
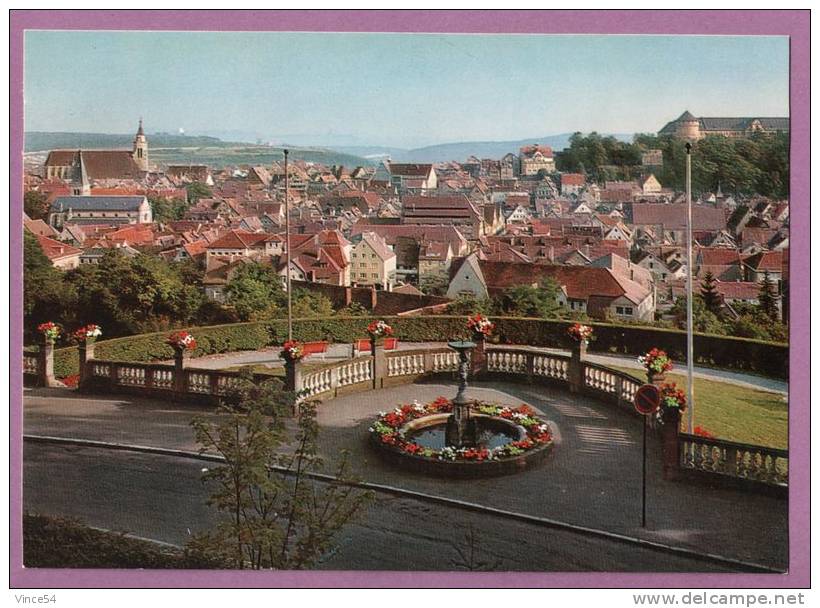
[[768, 358]]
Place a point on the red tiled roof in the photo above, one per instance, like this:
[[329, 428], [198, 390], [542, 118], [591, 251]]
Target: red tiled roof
[[673, 216], [738, 290], [238, 239], [581, 282], [530, 150], [766, 260], [718, 256], [99, 164], [573, 179], [410, 169], [56, 250]]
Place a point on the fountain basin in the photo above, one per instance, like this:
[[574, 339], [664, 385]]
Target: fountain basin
[[509, 439]]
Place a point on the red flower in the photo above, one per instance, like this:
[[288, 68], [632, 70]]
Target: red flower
[[391, 439], [525, 409], [702, 432]]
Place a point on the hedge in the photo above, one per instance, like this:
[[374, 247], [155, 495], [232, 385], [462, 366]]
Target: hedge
[[767, 358]]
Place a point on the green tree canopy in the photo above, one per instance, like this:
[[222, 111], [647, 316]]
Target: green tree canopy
[[198, 190], [256, 290]]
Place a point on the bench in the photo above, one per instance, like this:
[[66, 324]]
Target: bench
[[315, 348]]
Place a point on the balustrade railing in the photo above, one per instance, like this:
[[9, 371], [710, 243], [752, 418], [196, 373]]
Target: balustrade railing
[[600, 378], [752, 462], [755, 463], [30, 364]]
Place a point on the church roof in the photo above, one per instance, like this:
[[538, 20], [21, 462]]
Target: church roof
[[97, 203], [99, 164]]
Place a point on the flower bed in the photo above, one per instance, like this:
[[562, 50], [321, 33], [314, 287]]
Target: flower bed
[[388, 434]]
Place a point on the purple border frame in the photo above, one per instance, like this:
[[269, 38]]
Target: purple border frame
[[792, 23]]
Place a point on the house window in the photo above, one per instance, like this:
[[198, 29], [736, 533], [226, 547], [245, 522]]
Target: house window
[[624, 310]]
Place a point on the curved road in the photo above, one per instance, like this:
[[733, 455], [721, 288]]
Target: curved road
[[592, 479], [162, 498]]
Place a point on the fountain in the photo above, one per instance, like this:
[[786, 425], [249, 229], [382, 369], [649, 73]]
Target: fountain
[[461, 428], [462, 437]]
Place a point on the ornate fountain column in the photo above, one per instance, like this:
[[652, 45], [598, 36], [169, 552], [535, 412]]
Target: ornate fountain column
[[461, 430]]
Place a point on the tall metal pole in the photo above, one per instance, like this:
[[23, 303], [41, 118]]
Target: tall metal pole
[[287, 248], [690, 341], [643, 477]]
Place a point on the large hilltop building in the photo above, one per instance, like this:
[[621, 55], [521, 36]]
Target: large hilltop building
[[97, 165], [687, 126]]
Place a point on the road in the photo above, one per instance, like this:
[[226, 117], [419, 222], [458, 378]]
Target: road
[[591, 479], [162, 498]]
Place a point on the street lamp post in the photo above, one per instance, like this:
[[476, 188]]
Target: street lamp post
[[690, 342], [287, 249]]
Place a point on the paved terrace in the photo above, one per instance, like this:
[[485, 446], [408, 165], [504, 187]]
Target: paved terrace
[[591, 479], [339, 352]]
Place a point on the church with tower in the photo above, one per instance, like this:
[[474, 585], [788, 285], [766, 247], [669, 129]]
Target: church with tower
[[82, 167]]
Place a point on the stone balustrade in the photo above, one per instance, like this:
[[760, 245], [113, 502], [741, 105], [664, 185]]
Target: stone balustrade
[[752, 463]]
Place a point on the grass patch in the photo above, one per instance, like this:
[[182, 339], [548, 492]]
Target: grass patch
[[57, 542], [735, 413]]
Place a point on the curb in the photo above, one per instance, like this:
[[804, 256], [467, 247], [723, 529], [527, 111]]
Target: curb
[[740, 565]]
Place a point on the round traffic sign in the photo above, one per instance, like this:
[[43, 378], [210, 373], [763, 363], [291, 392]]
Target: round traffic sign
[[648, 399]]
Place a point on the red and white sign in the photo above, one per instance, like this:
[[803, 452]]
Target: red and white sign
[[648, 399]]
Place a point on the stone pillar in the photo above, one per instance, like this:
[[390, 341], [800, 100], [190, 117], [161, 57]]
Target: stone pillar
[[655, 378], [669, 435], [374, 298], [478, 360], [575, 374], [86, 350], [379, 362], [45, 364], [293, 376], [180, 384]]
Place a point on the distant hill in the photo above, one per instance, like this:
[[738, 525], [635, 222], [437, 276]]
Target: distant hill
[[166, 148], [460, 151], [39, 141]]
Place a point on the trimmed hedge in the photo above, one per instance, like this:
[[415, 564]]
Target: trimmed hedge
[[767, 358]]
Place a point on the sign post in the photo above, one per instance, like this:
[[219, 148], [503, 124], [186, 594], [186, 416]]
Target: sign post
[[647, 402]]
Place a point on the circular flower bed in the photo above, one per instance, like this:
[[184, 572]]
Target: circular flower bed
[[391, 434]]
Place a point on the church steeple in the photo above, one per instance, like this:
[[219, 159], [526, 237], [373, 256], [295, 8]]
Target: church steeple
[[80, 184], [141, 148]]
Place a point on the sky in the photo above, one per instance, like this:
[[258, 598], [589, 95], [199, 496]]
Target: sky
[[401, 90]]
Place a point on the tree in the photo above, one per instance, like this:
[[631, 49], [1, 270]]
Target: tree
[[198, 190], [434, 284], [45, 293], [310, 304], [276, 516], [167, 209], [767, 298], [254, 289], [34, 204], [468, 304], [703, 320], [529, 301], [708, 292]]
